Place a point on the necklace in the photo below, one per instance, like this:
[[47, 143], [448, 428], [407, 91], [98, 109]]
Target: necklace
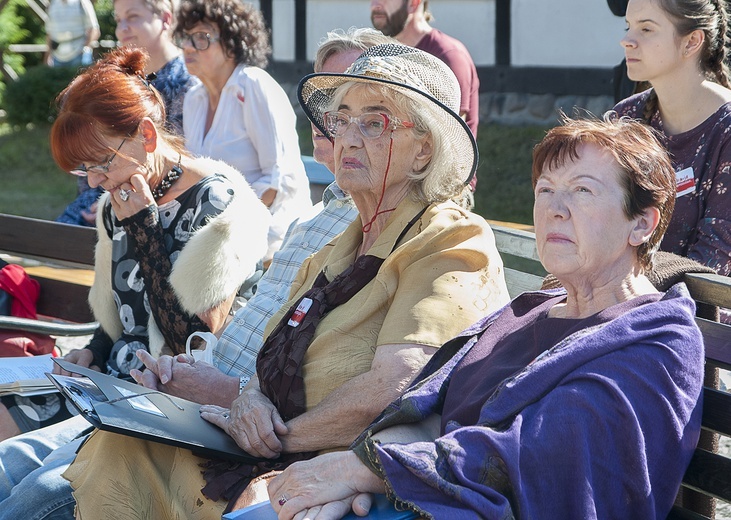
[[173, 175]]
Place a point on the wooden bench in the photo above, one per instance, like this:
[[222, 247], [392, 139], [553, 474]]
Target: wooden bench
[[709, 474], [61, 258]]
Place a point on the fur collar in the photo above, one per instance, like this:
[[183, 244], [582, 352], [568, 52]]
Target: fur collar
[[213, 264]]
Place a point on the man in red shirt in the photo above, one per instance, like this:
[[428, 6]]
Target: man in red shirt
[[408, 22]]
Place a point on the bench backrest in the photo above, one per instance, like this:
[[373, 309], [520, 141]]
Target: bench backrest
[[523, 269], [709, 474], [70, 248]]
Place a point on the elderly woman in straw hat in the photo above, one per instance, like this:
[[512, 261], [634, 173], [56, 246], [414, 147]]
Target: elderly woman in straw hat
[[365, 313]]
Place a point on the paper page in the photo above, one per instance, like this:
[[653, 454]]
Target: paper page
[[14, 369]]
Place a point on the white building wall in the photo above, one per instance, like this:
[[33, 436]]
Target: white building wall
[[565, 33], [548, 33]]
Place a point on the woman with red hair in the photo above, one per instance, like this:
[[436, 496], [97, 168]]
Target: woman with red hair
[[170, 256]]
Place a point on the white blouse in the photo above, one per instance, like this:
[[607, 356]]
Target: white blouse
[[253, 130]]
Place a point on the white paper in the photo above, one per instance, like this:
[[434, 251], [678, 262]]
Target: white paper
[[14, 369]]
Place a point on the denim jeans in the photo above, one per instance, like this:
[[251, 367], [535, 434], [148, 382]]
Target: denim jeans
[[82, 60], [31, 485]]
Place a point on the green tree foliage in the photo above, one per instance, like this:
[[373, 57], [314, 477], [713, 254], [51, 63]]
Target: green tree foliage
[[30, 99], [105, 14], [12, 31]]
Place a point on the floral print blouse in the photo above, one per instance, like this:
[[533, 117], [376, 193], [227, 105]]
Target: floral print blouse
[[701, 224]]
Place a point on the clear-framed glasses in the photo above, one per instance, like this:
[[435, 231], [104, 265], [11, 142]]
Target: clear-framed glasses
[[371, 124], [83, 171], [199, 40]]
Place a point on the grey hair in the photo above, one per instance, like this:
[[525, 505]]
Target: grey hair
[[356, 38], [437, 181]]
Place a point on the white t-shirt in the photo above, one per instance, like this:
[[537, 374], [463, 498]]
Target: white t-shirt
[[254, 130], [67, 24]]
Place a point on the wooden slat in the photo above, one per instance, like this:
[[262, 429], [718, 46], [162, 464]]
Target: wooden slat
[[64, 300], [27, 47], [515, 242], [710, 474], [47, 240], [518, 282], [513, 225], [717, 411], [678, 513], [77, 276], [710, 288], [717, 339]]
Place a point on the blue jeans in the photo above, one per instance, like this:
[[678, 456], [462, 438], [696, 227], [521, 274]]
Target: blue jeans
[[82, 60], [31, 485]]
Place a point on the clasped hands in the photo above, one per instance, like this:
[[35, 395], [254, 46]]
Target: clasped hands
[[324, 488]]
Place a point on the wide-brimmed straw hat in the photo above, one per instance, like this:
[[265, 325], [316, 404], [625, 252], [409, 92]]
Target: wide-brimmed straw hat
[[418, 75]]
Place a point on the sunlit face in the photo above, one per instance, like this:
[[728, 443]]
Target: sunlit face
[[651, 47], [361, 162], [389, 16], [323, 147], [124, 163], [582, 232], [137, 25], [209, 62]]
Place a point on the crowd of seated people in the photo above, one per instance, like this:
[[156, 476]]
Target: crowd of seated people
[[381, 344]]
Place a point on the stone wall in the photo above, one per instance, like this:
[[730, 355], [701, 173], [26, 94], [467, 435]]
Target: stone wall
[[509, 108]]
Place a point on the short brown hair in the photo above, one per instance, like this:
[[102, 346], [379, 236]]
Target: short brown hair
[[649, 178], [243, 34]]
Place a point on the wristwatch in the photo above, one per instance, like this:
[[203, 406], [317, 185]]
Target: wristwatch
[[242, 383]]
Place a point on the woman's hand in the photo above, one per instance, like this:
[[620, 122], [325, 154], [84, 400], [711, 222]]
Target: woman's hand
[[90, 216], [253, 422], [184, 377], [325, 487], [218, 317], [82, 357], [139, 197], [268, 197]]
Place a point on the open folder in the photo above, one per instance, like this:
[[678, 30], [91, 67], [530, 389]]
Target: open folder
[[123, 407]]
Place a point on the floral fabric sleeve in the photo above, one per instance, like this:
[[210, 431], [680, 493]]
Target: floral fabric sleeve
[[712, 241]]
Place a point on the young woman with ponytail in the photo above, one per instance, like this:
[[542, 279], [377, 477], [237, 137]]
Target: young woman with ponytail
[[680, 48]]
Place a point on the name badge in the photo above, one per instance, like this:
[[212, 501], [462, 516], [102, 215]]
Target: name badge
[[685, 182], [300, 312]]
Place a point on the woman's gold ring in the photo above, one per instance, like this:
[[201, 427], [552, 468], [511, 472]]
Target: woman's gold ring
[[282, 500], [124, 195]]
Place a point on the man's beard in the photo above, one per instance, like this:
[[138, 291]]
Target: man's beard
[[395, 22]]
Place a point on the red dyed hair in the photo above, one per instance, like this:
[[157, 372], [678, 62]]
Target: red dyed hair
[[109, 99]]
